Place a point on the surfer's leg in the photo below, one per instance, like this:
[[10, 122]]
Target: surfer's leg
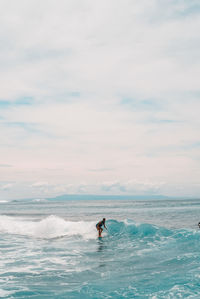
[[100, 231]]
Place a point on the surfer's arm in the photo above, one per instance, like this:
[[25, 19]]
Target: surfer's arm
[[105, 227]]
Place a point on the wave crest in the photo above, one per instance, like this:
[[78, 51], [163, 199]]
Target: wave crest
[[50, 227], [128, 227]]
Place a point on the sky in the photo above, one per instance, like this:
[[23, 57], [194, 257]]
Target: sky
[[99, 97]]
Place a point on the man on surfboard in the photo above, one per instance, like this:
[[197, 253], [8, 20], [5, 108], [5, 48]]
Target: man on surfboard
[[99, 226]]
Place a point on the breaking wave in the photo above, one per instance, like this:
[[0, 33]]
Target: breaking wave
[[50, 227], [54, 227]]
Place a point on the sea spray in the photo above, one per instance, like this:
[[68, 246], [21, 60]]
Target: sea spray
[[50, 227]]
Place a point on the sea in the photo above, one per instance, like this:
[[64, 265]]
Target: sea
[[49, 248]]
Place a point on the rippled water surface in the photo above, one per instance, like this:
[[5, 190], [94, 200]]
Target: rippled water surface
[[49, 249]]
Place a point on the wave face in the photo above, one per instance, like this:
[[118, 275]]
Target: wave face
[[129, 228], [58, 257]]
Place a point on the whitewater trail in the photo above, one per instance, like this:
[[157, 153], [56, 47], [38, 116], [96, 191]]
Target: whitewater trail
[[50, 227]]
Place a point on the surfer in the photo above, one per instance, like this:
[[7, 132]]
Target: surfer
[[99, 226], [199, 224]]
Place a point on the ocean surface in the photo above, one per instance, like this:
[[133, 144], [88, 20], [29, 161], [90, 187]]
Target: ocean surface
[[50, 249]]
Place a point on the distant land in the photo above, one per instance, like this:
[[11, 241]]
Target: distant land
[[104, 197], [108, 197]]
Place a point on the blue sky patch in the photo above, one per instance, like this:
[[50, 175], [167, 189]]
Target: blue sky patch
[[18, 102]]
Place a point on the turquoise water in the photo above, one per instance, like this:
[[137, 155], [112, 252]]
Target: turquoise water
[[49, 249]]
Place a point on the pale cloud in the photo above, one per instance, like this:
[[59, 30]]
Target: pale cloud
[[99, 48], [5, 165], [6, 187], [40, 184], [100, 91]]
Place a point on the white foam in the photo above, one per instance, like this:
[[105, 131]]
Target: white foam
[[4, 293], [50, 227], [39, 200]]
